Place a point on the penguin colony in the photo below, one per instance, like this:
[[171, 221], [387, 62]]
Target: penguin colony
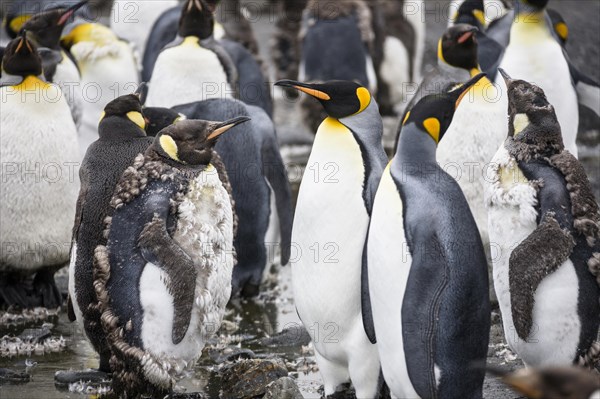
[[167, 229]]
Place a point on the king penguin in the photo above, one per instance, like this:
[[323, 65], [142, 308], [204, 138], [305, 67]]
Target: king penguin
[[121, 139], [44, 29], [329, 231], [194, 67], [109, 69], [259, 183], [40, 157], [164, 277], [544, 221], [427, 271]]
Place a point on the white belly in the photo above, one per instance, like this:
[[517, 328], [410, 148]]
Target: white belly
[[329, 230], [389, 267], [107, 72], [39, 184], [185, 74], [539, 59], [133, 20], [395, 69], [67, 77], [555, 333], [477, 130], [205, 232]]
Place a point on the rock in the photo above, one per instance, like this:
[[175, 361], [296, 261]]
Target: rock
[[230, 354], [190, 395], [246, 379], [90, 376], [35, 335], [283, 388], [8, 376], [293, 336]]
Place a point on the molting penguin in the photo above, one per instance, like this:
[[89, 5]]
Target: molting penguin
[[44, 29], [427, 271], [121, 139], [552, 382], [108, 69], [330, 228], [40, 155], [544, 221], [258, 178], [335, 41], [164, 277], [194, 67], [478, 126], [535, 55]]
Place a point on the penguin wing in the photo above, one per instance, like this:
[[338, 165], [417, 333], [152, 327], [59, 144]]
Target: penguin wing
[[588, 90], [50, 60], [70, 310], [499, 29], [546, 248], [157, 247], [275, 172], [163, 32], [489, 55], [365, 297]]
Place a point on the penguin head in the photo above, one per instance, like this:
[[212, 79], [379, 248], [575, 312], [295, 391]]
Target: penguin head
[[340, 98], [551, 382], [527, 6], [531, 118], [159, 118], [433, 113], [45, 28], [559, 25], [191, 142], [21, 57], [197, 19], [122, 118], [471, 12], [458, 47]]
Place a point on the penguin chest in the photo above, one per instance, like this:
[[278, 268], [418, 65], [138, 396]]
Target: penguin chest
[[39, 185], [205, 232], [329, 229], [389, 268], [67, 77], [187, 73]]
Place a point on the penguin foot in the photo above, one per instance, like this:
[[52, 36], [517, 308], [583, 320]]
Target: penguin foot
[[90, 377], [17, 292], [47, 290]]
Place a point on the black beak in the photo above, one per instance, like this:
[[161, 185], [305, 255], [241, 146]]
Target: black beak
[[70, 11], [307, 88], [505, 76], [460, 92], [23, 42], [225, 126], [142, 92]]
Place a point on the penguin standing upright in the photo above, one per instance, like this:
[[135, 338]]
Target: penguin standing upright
[[427, 271], [108, 68], [258, 178], [330, 227], [544, 222], [44, 29], [121, 139], [164, 277], [478, 126], [38, 191], [534, 54], [194, 67]]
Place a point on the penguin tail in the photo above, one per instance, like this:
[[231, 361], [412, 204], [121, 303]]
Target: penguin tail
[[276, 175]]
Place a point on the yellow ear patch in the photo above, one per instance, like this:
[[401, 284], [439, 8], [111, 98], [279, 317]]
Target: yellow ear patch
[[440, 53], [433, 127], [169, 146], [137, 118], [406, 117], [520, 122], [480, 17], [16, 24], [364, 97], [102, 115], [562, 30], [313, 92]]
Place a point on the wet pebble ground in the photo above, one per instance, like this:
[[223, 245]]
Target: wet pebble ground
[[262, 341]]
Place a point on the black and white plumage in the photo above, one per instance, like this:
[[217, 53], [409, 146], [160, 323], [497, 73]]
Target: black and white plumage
[[544, 221], [121, 139], [164, 277]]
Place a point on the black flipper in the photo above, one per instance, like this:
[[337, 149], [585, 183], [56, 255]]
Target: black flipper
[[365, 297], [275, 172], [546, 248], [70, 310], [159, 248], [588, 90]]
